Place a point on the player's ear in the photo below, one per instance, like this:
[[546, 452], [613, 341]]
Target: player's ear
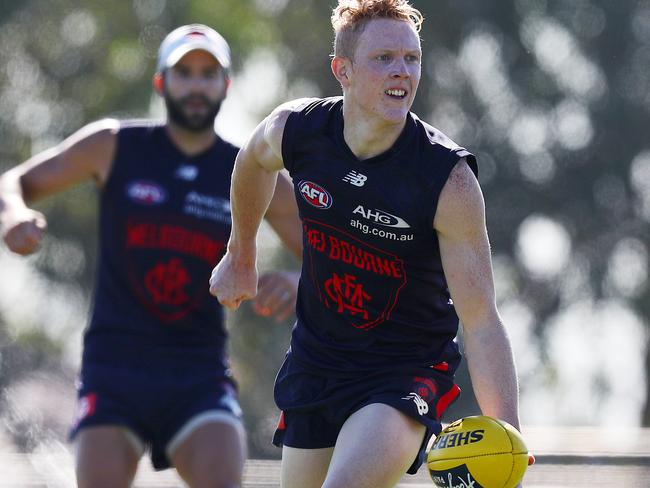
[[158, 83], [341, 69]]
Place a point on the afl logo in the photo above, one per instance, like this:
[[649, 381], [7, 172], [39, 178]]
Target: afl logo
[[146, 193], [315, 195]]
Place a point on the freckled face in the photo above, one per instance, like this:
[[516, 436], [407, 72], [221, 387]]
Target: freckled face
[[386, 70]]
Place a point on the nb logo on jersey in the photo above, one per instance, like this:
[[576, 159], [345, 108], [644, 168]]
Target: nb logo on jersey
[[422, 406], [354, 178], [187, 172]]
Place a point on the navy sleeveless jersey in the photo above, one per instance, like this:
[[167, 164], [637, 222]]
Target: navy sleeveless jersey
[[372, 294], [164, 223]]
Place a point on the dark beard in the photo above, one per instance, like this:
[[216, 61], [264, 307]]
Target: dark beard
[[193, 124]]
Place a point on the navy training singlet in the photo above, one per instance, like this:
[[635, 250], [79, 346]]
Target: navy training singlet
[[373, 295], [164, 224]]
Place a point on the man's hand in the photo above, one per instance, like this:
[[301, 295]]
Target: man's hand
[[233, 281], [276, 295], [23, 231]]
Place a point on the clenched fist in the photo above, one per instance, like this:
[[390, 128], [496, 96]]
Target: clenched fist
[[23, 231], [233, 281]]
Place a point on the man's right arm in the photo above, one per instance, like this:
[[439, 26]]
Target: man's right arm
[[254, 177], [86, 154]]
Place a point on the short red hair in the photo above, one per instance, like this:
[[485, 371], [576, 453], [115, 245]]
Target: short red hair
[[350, 18]]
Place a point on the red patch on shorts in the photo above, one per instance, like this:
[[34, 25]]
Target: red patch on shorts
[[443, 366], [86, 406], [281, 425], [446, 400]]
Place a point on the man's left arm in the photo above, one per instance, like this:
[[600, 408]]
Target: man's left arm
[[465, 254]]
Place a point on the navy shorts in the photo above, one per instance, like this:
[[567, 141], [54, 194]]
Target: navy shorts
[[153, 406], [315, 407]]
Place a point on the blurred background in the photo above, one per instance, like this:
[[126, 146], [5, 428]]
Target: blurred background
[[553, 96]]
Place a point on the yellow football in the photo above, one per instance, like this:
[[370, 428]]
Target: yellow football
[[478, 452]]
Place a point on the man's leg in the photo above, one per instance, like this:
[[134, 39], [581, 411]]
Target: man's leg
[[375, 447], [304, 468], [107, 457], [209, 452]]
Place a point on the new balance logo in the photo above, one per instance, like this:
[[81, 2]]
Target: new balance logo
[[423, 407], [354, 178], [187, 172]]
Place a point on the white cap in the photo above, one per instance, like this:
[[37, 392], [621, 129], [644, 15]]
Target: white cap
[[187, 38]]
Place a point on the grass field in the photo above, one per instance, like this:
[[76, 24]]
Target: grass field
[[55, 471], [566, 457]]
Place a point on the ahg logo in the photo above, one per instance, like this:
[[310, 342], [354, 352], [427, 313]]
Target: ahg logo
[[315, 195], [380, 217]]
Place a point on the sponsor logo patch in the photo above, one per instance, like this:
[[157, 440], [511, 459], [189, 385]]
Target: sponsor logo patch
[[315, 195], [368, 218], [380, 217], [458, 439], [208, 207], [187, 172], [146, 192], [355, 178], [422, 406]]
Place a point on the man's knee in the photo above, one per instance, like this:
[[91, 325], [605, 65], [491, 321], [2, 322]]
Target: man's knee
[[211, 456], [106, 457]]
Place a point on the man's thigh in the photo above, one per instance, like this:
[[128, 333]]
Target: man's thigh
[[304, 468], [189, 411], [375, 447], [212, 452], [106, 456]]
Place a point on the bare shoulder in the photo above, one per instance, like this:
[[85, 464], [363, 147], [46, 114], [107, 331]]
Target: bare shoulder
[[276, 121], [102, 126], [266, 141], [461, 207], [282, 112], [93, 145], [94, 142], [86, 154], [101, 132]]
